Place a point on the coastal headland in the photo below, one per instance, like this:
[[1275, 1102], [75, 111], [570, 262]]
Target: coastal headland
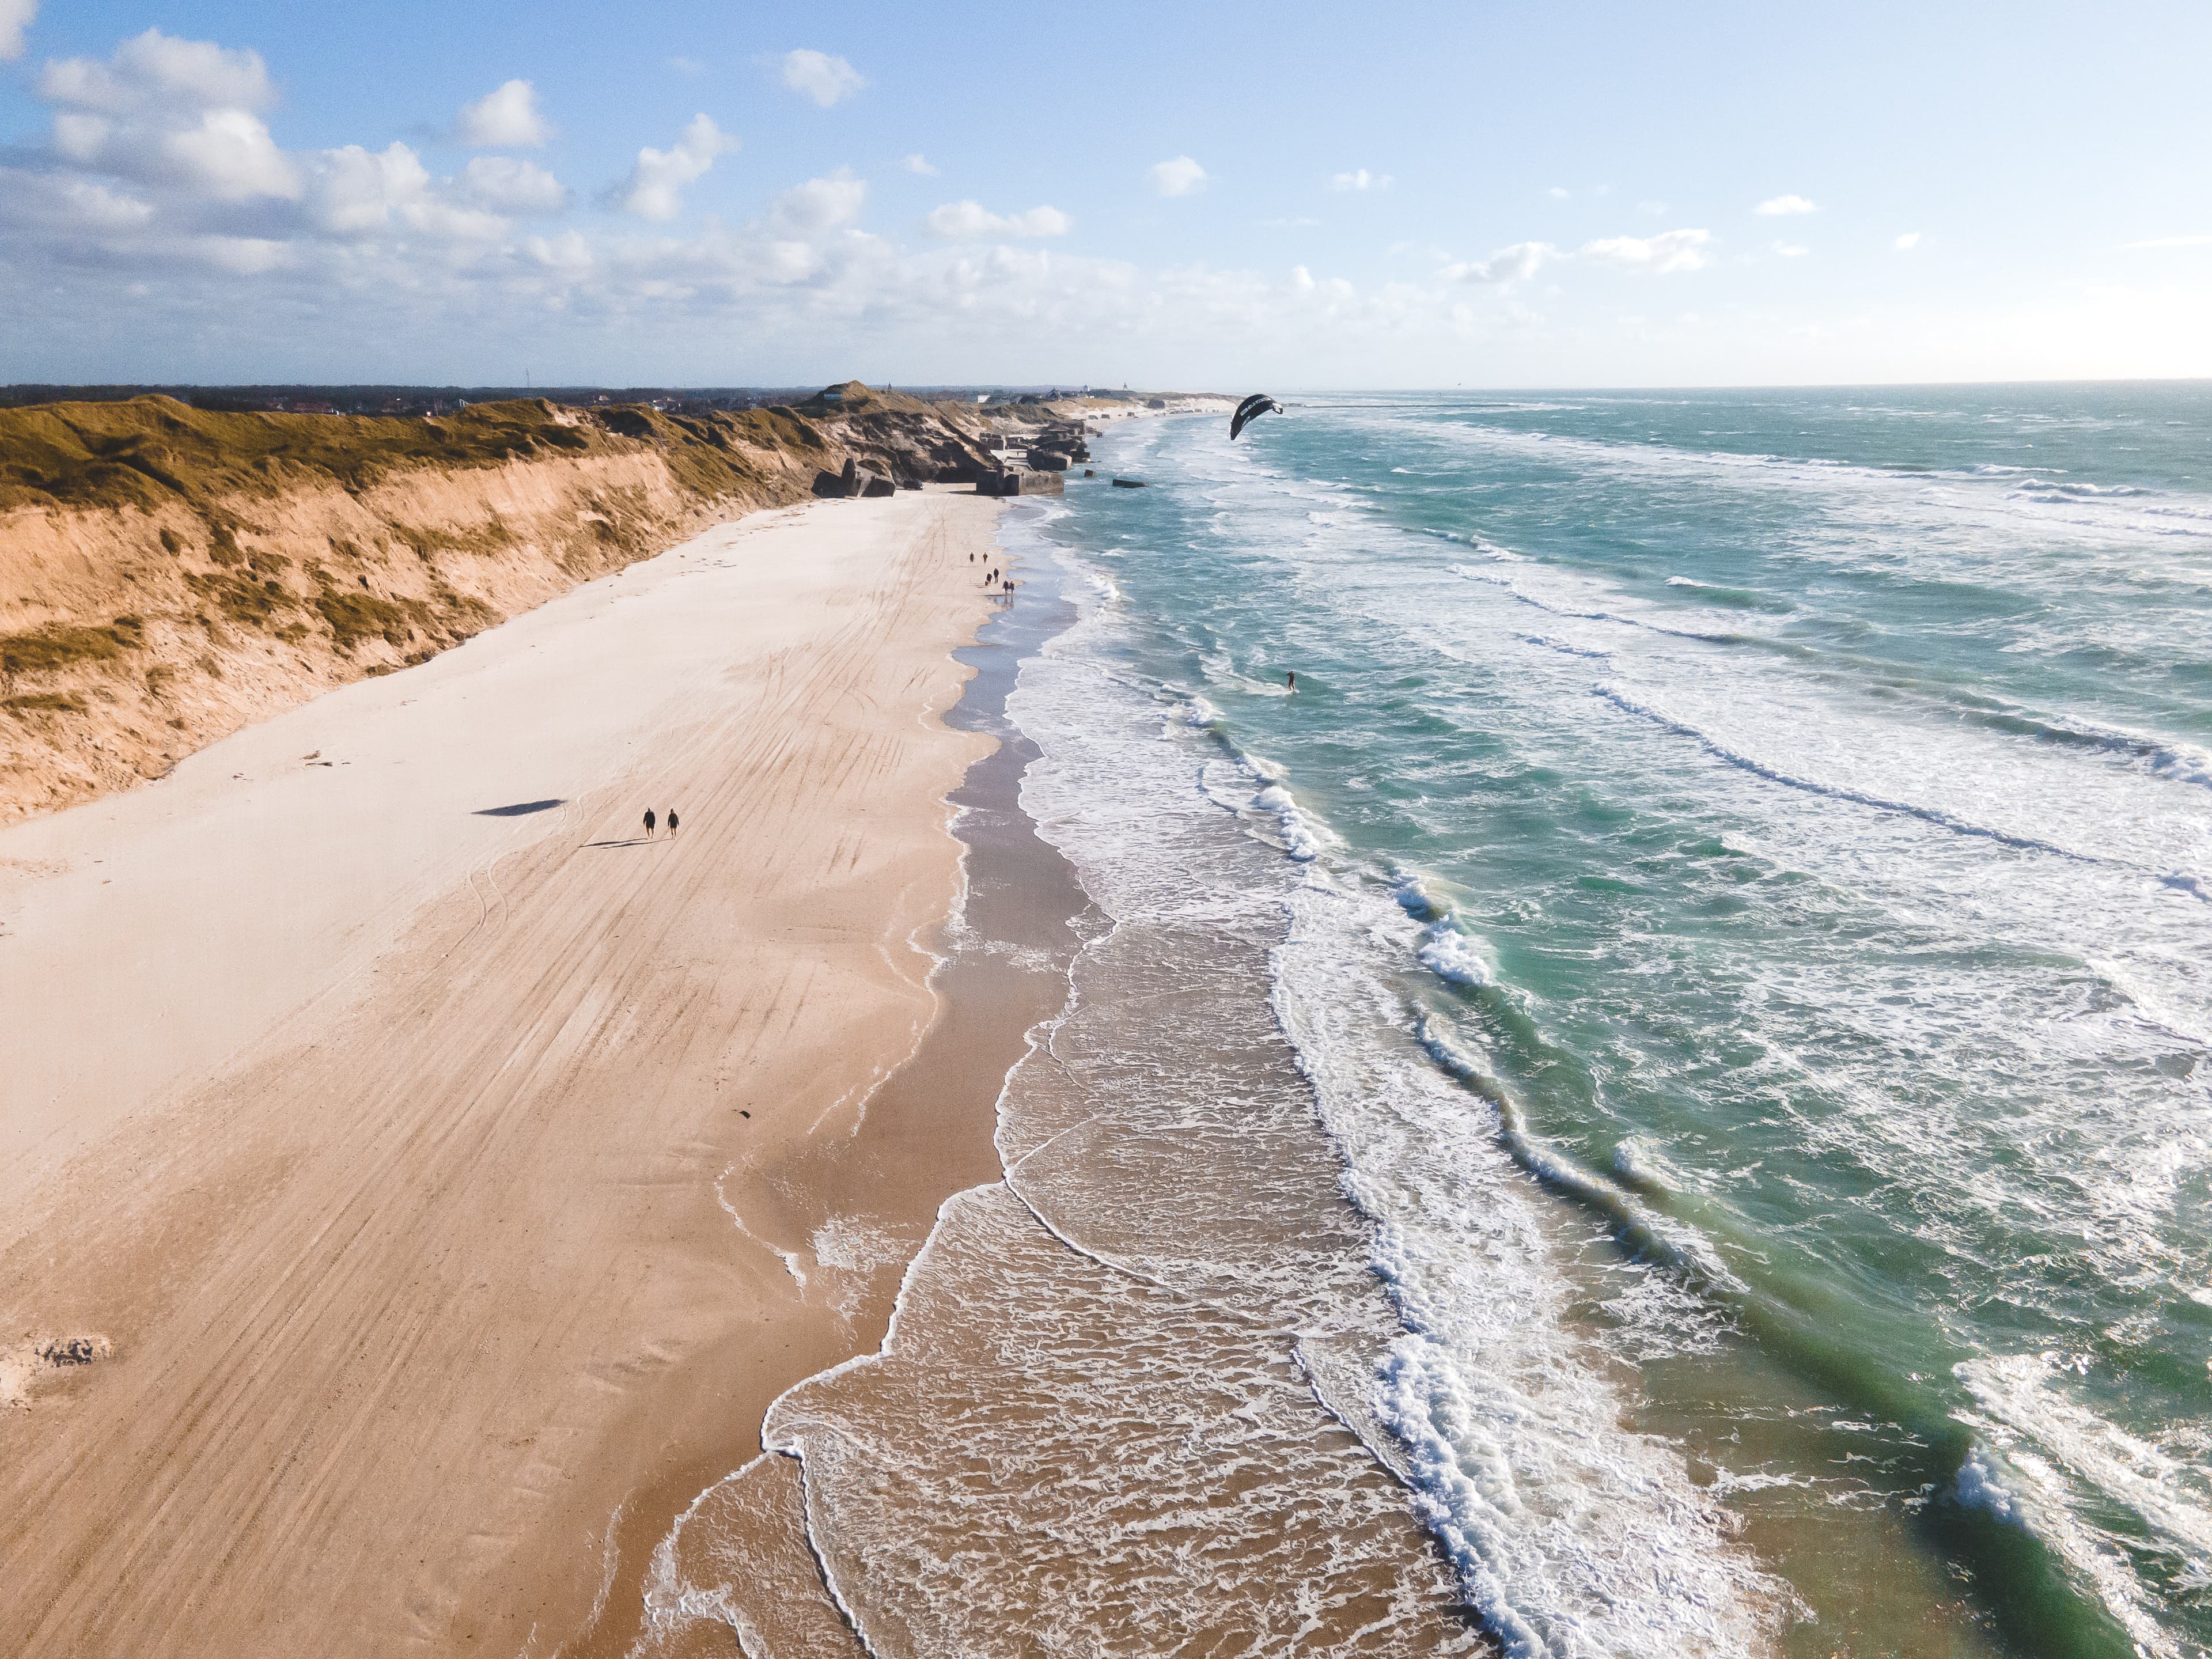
[[169, 574]]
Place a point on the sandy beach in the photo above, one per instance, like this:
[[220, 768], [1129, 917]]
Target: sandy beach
[[440, 1178]]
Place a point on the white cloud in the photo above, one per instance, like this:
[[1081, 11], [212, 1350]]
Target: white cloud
[[1302, 279], [654, 189], [354, 190], [1910, 241], [1508, 265], [1655, 208], [226, 154], [506, 183], [231, 154], [819, 205], [1775, 206], [567, 254], [241, 256], [1669, 250], [1360, 179], [969, 221], [178, 112], [176, 121], [16, 17], [506, 118], [1792, 250], [1181, 177], [158, 70], [690, 66], [2156, 241], [1559, 193], [97, 208], [820, 77], [355, 193], [919, 163]]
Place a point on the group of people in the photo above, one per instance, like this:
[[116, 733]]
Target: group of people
[[994, 579], [649, 822]]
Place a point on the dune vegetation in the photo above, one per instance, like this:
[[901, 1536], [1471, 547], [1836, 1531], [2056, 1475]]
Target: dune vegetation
[[168, 574]]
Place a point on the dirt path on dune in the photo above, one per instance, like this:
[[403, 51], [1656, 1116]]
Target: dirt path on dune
[[471, 1234]]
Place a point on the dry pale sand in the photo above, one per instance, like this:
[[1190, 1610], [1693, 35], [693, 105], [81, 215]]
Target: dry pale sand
[[393, 1157]]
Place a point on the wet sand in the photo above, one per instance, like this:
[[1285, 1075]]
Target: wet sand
[[446, 1178], [1122, 1407]]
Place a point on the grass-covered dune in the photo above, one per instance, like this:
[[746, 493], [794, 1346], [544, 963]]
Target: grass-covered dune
[[168, 574]]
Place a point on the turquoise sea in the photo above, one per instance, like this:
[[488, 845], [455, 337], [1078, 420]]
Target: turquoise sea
[[1739, 869]]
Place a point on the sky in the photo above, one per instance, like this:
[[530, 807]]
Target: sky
[[716, 193]]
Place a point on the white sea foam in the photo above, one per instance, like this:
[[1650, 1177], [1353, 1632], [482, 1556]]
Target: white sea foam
[[1488, 1384], [1451, 956], [2055, 1453]]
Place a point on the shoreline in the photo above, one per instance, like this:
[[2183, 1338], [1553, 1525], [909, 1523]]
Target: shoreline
[[1121, 1386], [1009, 948], [1003, 954], [290, 1266]]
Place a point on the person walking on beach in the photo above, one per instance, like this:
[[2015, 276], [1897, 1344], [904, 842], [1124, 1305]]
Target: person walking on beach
[[649, 824], [672, 823]]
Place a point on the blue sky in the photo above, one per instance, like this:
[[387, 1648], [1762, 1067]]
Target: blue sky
[[1282, 195]]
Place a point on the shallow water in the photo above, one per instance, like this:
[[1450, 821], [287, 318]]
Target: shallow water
[[1687, 1029]]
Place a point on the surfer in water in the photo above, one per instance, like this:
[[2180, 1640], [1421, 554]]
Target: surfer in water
[[1292, 677]]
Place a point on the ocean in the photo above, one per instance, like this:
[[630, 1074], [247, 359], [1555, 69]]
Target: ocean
[[1656, 1104]]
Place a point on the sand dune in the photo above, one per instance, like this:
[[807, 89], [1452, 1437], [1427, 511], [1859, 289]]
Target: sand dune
[[406, 1128]]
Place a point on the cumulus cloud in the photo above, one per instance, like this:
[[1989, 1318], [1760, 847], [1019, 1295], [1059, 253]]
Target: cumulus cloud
[[506, 183], [1559, 193], [1779, 206], [159, 70], [1360, 179], [919, 163], [355, 190], [1911, 239], [654, 189], [171, 112], [159, 151], [1669, 250], [505, 119], [1181, 177], [969, 221], [16, 17], [1791, 250], [354, 193], [1508, 265], [95, 207], [820, 77], [819, 205]]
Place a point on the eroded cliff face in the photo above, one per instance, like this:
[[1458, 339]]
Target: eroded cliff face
[[168, 575]]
